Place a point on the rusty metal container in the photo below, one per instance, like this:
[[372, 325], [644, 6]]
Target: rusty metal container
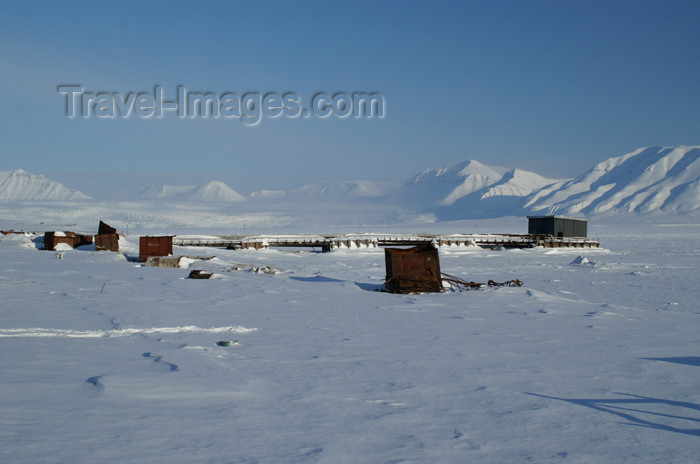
[[107, 242], [107, 238], [105, 228], [413, 270], [51, 239], [81, 240], [155, 246]]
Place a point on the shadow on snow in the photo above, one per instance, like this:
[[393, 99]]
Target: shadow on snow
[[689, 360], [633, 407]]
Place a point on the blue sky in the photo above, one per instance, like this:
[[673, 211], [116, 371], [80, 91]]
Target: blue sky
[[548, 86]]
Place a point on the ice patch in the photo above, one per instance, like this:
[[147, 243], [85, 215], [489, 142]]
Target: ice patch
[[581, 261], [69, 333]]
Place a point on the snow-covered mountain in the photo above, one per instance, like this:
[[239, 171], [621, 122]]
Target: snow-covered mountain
[[517, 183], [158, 192], [214, 191], [352, 190], [443, 186], [21, 185], [210, 191], [505, 197], [650, 179], [329, 191], [469, 189], [268, 194]]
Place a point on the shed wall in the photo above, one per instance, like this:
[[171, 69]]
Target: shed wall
[[107, 242], [557, 226], [155, 246]]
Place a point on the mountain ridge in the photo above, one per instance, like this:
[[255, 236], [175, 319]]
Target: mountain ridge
[[656, 179], [22, 185], [643, 181], [209, 191]]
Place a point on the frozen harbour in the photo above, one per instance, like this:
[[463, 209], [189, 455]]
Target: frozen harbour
[[279, 147], [596, 359]]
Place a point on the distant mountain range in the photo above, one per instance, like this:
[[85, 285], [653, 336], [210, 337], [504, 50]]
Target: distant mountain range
[[470, 190], [21, 185], [210, 191], [646, 180], [651, 179], [322, 190]]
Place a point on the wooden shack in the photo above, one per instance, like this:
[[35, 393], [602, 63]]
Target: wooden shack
[[413, 270]]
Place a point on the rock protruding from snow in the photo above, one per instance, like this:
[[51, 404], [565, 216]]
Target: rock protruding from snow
[[22, 185], [582, 261]]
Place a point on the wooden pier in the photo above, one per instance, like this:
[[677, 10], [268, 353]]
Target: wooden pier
[[359, 241]]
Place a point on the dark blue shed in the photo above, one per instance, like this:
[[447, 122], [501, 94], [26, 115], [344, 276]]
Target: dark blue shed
[[557, 226]]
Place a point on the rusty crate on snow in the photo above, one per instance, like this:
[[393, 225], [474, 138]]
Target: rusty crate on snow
[[107, 238], [413, 270], [105, 228], [107, 242], [51, 239], [155, 246]]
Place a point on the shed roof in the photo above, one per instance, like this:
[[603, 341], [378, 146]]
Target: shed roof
[[558, 217]]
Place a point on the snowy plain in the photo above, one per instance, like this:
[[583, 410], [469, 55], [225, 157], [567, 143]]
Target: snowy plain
[[596, 359]]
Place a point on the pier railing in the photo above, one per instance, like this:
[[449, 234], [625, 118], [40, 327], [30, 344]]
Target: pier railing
[[371, 240]]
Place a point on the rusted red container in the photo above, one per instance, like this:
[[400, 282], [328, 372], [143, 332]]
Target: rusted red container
[[51, 239], [107, 242], [81, 240], [413, 270], [155, 246], [105, 228]]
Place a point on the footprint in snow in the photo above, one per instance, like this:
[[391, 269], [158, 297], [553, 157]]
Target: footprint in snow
[[463, 442]]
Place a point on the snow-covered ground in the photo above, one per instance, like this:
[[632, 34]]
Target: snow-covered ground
[[596, 359]]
